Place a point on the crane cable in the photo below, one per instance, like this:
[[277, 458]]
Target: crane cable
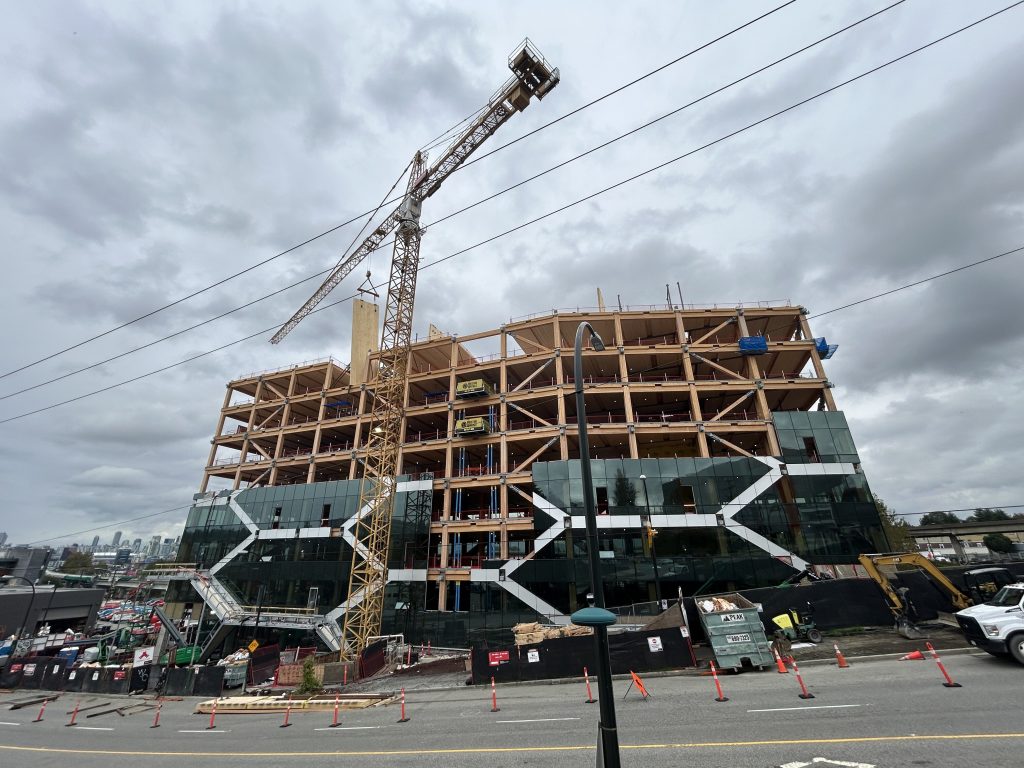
[[335, 228], [584, 199], [469, 207]]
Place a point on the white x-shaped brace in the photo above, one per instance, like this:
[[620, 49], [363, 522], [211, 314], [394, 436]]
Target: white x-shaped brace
[[501, 576]]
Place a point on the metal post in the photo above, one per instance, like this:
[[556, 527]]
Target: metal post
[[650, 536], [608, 747]]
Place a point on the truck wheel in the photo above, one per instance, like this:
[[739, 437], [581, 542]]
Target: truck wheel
[[814, 636], [1016, 646]]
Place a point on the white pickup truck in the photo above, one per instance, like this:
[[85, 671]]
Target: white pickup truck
[[997, 626]]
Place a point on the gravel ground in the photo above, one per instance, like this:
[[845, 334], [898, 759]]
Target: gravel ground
[[878, 640]]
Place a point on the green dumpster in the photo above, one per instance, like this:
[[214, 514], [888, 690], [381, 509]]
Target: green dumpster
[[735, 632]]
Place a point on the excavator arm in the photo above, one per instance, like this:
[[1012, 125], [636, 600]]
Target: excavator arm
[[897, 603]]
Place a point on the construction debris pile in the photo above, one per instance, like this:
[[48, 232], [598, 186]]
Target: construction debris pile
[[717, 605], [528, 634]]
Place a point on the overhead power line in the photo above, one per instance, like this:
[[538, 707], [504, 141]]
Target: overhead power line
[[585, 199], [918, 282], [471, 206], [425, 266], [359, 216], [963, 509], [172, 365], [112, 525]]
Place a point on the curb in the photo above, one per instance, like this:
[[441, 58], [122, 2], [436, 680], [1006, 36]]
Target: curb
[[698, 671], [881, 656]]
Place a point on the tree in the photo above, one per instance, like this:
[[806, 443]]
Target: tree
[[310, 680], [939, 518], [997, 542], [79, 562], [624, 490], [988, 516], [897, 530]]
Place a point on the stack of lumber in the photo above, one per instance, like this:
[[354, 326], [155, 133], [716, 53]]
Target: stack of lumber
[[534, 632]]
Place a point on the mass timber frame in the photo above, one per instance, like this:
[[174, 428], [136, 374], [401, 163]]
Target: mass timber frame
[[671, 382]]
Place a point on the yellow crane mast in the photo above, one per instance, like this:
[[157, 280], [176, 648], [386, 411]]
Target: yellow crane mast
[[531, 76]]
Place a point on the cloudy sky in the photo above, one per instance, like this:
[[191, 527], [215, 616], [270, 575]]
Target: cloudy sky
[[149, 150]]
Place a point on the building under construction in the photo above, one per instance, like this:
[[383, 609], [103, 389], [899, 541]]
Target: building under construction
[[720, 462]]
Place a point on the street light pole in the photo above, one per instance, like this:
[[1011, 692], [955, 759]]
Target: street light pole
[[650, 538], [608, 744]]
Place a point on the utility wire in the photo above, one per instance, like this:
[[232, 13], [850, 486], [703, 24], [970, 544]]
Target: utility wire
[[631, 83], [111, 525], [727, 136], [918, 282], [365, 213], [164, 338], [173, 365], [349, 298], [585, 199], [469, 207]]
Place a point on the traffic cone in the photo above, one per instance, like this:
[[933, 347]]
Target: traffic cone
[[840, 659], [403, 718], [780, 663], [913, 656], [949, 680], [590, 697]]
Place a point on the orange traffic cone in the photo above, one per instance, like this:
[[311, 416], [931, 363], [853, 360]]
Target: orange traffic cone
[[840, 659], [780, 663], [913, 656]]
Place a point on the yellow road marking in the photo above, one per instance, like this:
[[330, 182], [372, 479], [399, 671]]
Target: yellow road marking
[[491, 750]]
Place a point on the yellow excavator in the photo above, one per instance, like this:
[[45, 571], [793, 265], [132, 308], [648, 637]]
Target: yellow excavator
[[981, 583]]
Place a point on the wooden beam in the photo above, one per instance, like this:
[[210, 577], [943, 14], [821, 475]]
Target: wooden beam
[[533, 375], [721, 368], [275, 390], [529, 460], [531, 415], [732, 405], [715, 330], [270, 416], [727, 444], [535, 344]]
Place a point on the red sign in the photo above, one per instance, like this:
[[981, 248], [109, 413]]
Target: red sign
[[494, 658], [119, 674], [16, 667]]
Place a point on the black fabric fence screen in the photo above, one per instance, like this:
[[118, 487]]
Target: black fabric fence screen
[[567, 656]]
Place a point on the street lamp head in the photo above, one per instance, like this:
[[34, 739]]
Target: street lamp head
[[643, 477], [596, 341]]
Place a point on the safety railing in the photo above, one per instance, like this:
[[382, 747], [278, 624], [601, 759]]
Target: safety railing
[[769, 304]]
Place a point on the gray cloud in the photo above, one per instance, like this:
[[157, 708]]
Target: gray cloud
[[144, 154]]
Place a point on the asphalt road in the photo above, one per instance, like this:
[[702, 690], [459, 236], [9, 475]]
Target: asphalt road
[[884, 713]]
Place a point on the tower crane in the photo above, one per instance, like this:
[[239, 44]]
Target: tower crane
[[531, 76]]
